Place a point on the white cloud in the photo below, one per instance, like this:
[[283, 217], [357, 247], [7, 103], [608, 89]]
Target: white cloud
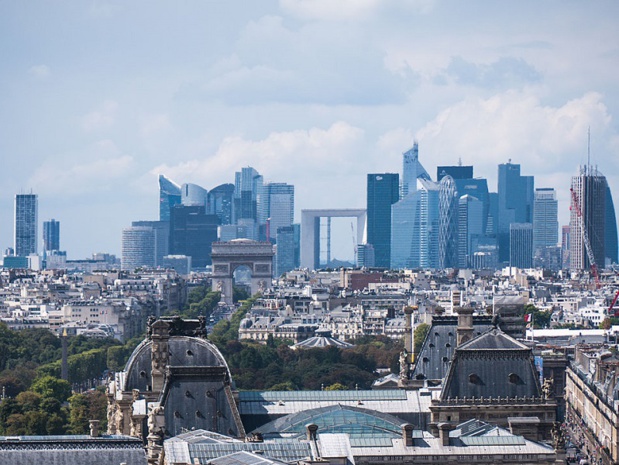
[[97, 169], [101, 118], [549, 142], [309, 159], [348, 10], [154, 124], [40, 71]]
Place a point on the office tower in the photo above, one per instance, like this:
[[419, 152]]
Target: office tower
[[589, 191], [565, 246], [26, 220], [285, 257], [276, 207], [611, 245], [448, 223], [456, 172], [414, 228], [470, 227], [247, 187], [365, 255], [220, 202], [521, 245], [51, 235], [192, 232], [412, 169], [382, 192], [169, 195], [493, 214], [545, 222], [138, 247], [179, 263], [193, 195], [161, 237], [515, 203]]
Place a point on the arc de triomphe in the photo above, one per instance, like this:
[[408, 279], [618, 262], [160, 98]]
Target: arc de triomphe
[[228, 256]]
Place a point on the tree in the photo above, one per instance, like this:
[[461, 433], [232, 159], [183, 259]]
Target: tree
[[541, 318], [54, 388], [420, 333], [336, 387]]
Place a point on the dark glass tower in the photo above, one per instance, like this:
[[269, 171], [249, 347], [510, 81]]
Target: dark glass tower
[[456, 172], [26, 220], [610, 233], [220, 202], [51, 235], [382, 192], [169, 195], [516, 197], [589, 188], [192, 233], [247, 187]]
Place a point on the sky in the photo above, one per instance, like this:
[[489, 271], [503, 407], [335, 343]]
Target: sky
[[98, 97]]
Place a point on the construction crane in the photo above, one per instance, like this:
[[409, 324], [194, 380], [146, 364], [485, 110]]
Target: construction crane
[[585, 236], [612, 304], [354, 244]]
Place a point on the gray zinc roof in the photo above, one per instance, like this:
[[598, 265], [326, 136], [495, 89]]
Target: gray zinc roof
[[439, 345]]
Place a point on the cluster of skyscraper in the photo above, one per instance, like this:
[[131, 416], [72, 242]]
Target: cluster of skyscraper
[[25, 247], [412, 222], [455, 222], [191, 218]]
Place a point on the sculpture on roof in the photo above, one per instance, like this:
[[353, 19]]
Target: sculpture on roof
[[547, 388], [404, 364]]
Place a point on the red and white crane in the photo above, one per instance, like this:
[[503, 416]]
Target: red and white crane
[[585, 237]]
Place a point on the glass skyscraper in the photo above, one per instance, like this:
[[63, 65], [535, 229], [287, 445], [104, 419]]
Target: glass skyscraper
[[247, 187], [515, 204], [412, 169], [589, 188], [382, 192], [545, 219], [611, 245], [161, 238], [276, 206], [521, 245], [138, 247], [414, 228], [220, 202], [26, 221], [51, 235], [169, 195], [192, 233], [470, 227]]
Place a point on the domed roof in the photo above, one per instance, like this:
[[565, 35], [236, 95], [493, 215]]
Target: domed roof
[[354, 421], [183, 351]]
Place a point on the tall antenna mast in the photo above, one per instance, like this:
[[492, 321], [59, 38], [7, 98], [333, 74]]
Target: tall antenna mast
[[589, 149]]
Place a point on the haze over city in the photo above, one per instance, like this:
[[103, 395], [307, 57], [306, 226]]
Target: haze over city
[[101, 97]]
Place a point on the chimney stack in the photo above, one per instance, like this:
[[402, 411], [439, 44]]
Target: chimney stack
[[407, 434]]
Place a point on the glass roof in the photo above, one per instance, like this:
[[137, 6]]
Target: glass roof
[[291, 396], [356, 422]]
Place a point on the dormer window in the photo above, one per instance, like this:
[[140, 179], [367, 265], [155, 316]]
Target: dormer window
[[475, 379], [514, 378]]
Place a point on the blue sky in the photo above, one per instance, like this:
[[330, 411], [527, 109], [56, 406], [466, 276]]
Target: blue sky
[[99, 97]]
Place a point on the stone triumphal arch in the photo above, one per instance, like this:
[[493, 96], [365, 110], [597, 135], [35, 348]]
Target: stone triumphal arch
[[228, 256]]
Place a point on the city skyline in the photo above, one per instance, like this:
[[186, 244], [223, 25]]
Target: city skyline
[[308, 93]]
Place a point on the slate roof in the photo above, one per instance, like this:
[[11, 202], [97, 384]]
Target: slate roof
[[438, 348], [184, 351], [204, 447], [492, 365]]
